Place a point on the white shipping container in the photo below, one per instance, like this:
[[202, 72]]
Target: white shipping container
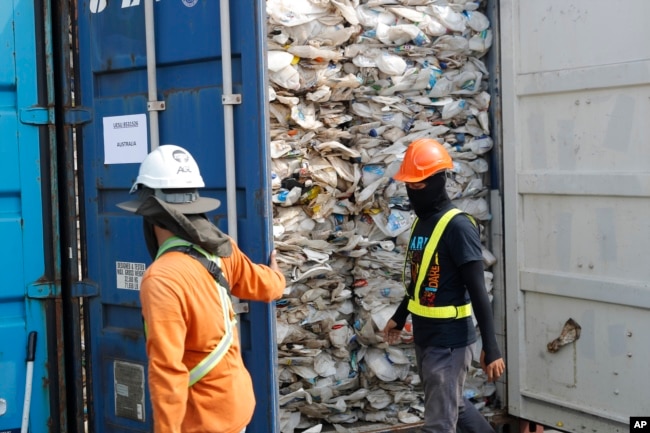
[[569, 202], [575, 98]]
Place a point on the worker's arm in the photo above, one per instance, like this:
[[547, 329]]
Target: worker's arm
[[393, 329], [253, 281], [474, 280]]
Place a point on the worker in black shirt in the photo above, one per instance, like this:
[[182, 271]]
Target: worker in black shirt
[[447, 283]]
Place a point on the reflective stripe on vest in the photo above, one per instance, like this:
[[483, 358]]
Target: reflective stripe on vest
[[414, 306], [217, 354]]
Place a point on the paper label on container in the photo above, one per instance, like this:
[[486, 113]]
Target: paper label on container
[[125, 139], [129, 275]]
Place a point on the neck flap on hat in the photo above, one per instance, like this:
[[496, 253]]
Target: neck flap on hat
[[193, 228]]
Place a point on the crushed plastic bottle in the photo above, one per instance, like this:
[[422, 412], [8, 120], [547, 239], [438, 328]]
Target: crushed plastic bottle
[[351, 85], [287, 197]]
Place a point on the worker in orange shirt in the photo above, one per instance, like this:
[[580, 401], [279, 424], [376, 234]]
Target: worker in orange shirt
[[197, 379]]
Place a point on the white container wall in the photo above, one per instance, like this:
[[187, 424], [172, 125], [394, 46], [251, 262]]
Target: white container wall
[[576, 104]]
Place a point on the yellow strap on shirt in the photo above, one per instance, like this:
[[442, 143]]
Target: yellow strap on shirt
[[211, 361], [217, 354], [414, 306]]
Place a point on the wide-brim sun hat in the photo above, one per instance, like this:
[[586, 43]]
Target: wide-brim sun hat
[[172, 176], [187, 202]]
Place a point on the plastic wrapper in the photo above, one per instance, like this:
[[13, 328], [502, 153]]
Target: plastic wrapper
[[353, 82]]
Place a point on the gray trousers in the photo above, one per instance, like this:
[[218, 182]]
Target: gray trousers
[[443, 372]]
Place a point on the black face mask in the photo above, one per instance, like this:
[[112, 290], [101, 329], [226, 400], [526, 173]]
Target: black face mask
[[430, 199]]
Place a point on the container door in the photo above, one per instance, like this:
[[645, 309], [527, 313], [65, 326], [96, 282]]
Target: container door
[[113, 86], [28, 220], [576, 104]]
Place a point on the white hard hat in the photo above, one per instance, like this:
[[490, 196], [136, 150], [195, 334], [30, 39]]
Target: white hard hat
[[174, 177], [169, 167]]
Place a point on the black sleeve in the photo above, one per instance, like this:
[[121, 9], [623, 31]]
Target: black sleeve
[[472, 276], [401, 313]]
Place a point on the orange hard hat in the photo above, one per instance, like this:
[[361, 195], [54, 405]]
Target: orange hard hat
[[423, 158]]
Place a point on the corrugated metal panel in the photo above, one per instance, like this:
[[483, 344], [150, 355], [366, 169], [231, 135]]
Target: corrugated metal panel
[[27, 189], [113, 82], [576, 104]]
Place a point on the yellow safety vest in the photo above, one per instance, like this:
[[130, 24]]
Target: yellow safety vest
[[414, 306], [217, 354]]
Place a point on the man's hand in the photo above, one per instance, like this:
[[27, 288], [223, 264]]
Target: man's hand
[[392, 335], [273, 263], [494, 370]]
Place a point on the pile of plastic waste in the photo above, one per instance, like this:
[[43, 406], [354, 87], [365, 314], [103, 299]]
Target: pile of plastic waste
[[352, 84]]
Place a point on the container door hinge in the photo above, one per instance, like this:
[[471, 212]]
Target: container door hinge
[[37, 116], [240, 307], [234, 99], [77, 116], [156, 106], [84, 289], [41, 289]]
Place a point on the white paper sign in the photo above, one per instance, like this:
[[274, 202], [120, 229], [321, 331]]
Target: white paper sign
[[129, 275], [125, 139]]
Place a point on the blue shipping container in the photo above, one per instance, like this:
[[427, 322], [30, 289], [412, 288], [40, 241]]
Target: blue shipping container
[[188, 102], [30, 291]]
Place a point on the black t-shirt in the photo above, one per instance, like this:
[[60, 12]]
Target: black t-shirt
[[459, 244]]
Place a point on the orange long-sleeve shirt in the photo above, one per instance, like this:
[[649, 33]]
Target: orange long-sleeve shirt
[[183, 314]]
